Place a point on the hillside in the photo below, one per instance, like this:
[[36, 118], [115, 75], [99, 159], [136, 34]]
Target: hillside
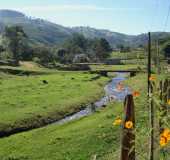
[[45, 32], [38, 30], [114, 38]]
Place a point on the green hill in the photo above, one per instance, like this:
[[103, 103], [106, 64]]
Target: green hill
[[45, 32]]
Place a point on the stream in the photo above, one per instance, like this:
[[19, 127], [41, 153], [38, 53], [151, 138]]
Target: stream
[[111, 94]]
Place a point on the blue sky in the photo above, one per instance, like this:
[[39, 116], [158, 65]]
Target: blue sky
[[125, 16]]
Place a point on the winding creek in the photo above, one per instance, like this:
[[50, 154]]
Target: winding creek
[[111, 94]]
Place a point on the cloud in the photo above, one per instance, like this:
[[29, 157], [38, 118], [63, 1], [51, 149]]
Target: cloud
[[51, 8]]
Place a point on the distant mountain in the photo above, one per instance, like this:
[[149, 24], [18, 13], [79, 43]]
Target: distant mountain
[[38, 30], [45, 32], [113, 37], [142, 39]]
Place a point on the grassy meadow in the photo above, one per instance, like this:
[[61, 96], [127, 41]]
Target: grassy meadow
[[26, 101], [116, 67], [133, 60], [85, 139], [30, 102], [134, 54]]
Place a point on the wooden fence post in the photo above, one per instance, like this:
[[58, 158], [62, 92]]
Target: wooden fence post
[[168, 93], [164, 95], [160, 109], [128, 135]]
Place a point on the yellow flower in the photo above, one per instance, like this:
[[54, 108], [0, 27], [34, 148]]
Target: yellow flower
[[168, 102], [136, 94], [152, 78], [166, 133], [118, 121], [163, 141], [129, 124]]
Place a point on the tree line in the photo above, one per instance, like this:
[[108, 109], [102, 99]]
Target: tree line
[[15, 44]]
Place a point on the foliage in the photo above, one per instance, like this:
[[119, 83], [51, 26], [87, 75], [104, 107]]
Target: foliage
[[1, 48], [123, 48], [101, 48], [160, 99], [43, 53], [166, 50], [16, 40], [95, 49], [6, 55], [76, 49]]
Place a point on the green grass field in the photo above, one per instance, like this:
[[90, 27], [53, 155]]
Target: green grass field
[[116, 67], [30, 66], [27, 67], [129, 55], [27, 101], [30, 102], [84, 139]]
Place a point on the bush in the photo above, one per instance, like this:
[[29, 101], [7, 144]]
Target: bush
[[36, 60], [5, 55]]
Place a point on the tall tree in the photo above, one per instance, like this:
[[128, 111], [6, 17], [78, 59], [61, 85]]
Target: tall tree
[[102, 48], [16, 39], [93, 49], [1, 48], [77, 44]]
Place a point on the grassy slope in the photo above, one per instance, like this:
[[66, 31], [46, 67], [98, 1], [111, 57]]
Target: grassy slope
[[82, 139], [29, 100]]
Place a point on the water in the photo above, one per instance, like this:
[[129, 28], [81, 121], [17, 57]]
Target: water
[[111, 94]]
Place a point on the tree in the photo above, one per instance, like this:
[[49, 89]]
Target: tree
[[92, 49], [79, 41], [16, 39], [27, 53], [102, 48], [77, 44], [1, 48], [43, 53], [124, 48], [60, 55], [166, 50]]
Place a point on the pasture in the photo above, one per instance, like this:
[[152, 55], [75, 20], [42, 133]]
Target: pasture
[[89, 137], [30, 101]]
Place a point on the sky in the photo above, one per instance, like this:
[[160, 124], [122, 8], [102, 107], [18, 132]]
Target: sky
[[125, 16]]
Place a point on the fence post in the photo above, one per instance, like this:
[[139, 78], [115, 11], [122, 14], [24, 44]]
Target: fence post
[[168, 93], [128, 135], [160, 109], [164, 94]]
